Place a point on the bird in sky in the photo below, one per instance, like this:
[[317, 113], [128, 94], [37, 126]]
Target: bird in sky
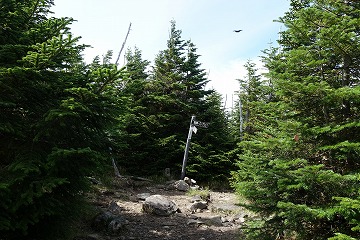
[[237, 31]]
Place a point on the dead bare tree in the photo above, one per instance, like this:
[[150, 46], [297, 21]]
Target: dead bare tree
[[123, 45], [116, 170]]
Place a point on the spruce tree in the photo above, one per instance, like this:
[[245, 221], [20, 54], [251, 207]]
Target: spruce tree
[[209, 159], [55, 117], [174, 91], [171, 94], [134, 125], [300, 172], [254, 91]]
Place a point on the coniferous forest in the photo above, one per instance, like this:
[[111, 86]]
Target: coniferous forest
[[294, 161]]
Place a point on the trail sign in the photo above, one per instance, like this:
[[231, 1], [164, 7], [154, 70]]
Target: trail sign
[[192, 128], [201, 124]]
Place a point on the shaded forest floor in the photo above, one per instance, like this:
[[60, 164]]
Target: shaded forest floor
[[222, 219]]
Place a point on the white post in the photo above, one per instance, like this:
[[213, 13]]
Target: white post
[[186, 153], [116, 170]]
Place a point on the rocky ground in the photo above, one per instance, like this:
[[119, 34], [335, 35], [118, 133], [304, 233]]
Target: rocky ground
[[209, 215]]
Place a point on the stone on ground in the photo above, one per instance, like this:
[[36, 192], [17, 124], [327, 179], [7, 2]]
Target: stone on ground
[[181, 185], [198, 205], [159, 205]]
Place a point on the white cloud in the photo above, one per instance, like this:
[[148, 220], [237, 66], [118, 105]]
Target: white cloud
[[209, 24], [224, 78]]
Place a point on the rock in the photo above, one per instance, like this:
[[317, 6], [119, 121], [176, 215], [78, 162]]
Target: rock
[[102, 220], [198, 205], [109, 221], [180, 214], [225, 207], [195, 187], [94, 181], [193, 216], [196, 198], [194, 222], [215, 220], [143, 196], [224, 219], [117, 224], [181, 185], [170, 185], [189, 181], [133, 198], [159, 205], [114, 207], [168, 224], [239, 220]]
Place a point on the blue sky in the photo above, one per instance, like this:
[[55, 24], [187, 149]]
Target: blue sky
[[208, 23]]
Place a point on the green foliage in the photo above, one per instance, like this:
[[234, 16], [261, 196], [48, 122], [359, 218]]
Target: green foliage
[[203, 193], [209, 162], [253, 94], [56, 120], [163, 102], [339, 236], [298, 167], [59, 117]]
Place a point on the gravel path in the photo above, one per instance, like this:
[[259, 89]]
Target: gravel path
[[221, 220]]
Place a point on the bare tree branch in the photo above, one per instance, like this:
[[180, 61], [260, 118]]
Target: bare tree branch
[[123, 45]]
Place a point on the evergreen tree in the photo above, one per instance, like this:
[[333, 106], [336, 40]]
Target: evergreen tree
[[166, 106], [54, 122], [254, 92], [168, 98], [300, 172], [134, 125], [209, 161]]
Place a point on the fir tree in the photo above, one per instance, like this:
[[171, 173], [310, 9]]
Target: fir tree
[[173, 92], [166, 105], [300, 171], [134, 125], [209, 161], [253, 93], [55, 118]]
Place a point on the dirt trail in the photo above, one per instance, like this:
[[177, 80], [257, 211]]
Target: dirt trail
[[222, 220]]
